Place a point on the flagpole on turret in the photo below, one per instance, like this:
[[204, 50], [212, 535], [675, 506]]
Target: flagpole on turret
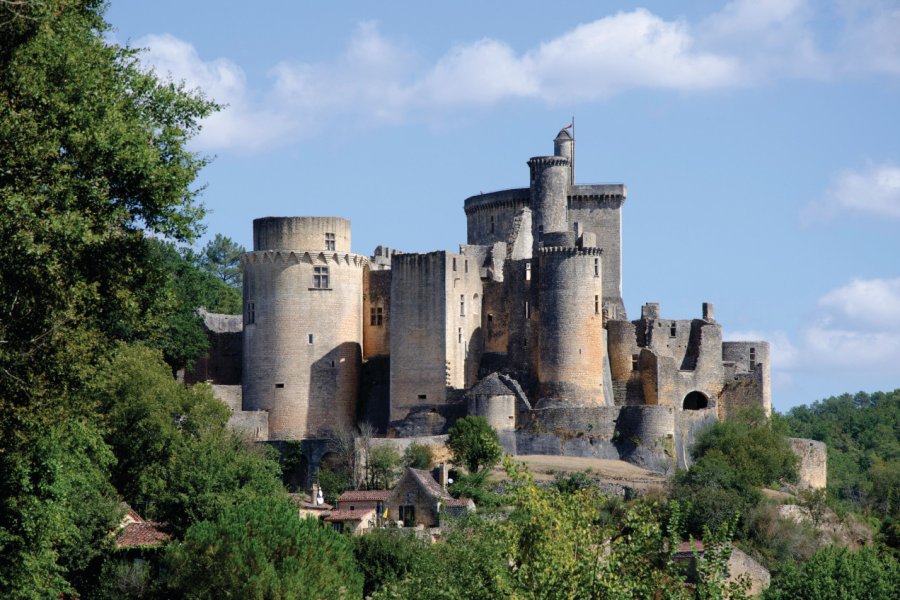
[[573, 151]]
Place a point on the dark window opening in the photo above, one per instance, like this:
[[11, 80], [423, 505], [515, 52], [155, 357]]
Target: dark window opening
[[466, 266], [634, 361], [309, 338], [462, 305], [492, 224], [320, 278], [408, 515], [279, 385], [540, 233], [695, 401], [329, 241], [338, 526], [332, 364], [596, 267], [752, 359], [490, 318], [527, 310], [673, 330], [376, 316], [423, 396], [528, 271], [454, 264], [251, 313], [459, 334], [596, 305]]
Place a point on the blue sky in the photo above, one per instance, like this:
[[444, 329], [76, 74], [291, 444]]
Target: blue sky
[[759, 140]]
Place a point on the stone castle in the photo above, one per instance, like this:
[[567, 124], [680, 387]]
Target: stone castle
[[525, 325]]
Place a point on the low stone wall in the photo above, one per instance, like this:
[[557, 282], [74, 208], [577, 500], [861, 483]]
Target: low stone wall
[[253, 424], [813, 465]]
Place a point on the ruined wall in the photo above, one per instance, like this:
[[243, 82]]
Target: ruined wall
[[597, 209], [495, 317], [520, 298], [748, 380], [222, 362], [252, 425], [376, 315], [302, 342], [418, 334], [813, 465], [571, 340], [569, 431]]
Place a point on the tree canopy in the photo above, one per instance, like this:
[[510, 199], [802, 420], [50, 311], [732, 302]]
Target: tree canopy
[[474, 444]]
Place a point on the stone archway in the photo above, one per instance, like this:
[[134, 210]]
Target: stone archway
[[695, 401]]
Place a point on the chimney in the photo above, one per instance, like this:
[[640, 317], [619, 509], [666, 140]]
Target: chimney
[[708, 314], [441, 474]]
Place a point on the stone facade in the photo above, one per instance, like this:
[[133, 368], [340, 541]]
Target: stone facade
[[534, 296], [813, 467]]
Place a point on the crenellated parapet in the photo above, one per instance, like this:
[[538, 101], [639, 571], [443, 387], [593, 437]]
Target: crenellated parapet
[[294, 257], [571, 251]]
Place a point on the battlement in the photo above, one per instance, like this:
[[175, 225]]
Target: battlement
[[309, 257], [548, 161], [571, 251]]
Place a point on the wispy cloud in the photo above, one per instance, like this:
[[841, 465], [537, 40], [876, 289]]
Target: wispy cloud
[[376, 81], [873, 190]]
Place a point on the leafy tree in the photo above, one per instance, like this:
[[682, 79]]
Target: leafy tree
[[260, 549], [418, 456], [221, 257], [384, 467], [835, 573], [93, 155], [474, 443], [476, 487], [333, 483], [387, 556], [177, 460]]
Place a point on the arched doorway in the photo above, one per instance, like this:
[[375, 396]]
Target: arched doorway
[[695, 401]]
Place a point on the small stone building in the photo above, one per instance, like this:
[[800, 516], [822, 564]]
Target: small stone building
[[354, 522], [418, 500]]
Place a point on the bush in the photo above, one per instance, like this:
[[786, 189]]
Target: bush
[[474, 444], [418, 456], [387, 556]]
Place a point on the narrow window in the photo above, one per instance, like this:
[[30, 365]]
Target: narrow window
[[279, 386], [596, 305], [332, 364], [466, 266], [527, 311], [634, 362], [462, 305], [423, 396], [407, 514], [540, 233], [329, 241], [251, 313], [528, 271], [490, 318], [673, 329], [492, 223], [320, 278], [376, 316], [575, 227], [752, 359], [309, 338], [596, 267], [459, 334], [454, 264]]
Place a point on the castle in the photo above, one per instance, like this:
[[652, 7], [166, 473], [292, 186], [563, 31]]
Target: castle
[[525, 325]]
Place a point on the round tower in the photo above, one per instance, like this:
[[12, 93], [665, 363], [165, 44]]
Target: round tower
[[564, 145], [571, 349], [302, 325], [549, 195]]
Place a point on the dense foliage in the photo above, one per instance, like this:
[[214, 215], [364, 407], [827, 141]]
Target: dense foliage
[[260, 549], [862, 432]]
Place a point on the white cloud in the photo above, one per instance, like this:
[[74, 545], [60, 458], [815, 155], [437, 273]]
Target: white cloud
[[866, 302], [874, 190], [375, 80]]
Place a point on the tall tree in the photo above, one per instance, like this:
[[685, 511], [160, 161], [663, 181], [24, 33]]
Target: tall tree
[[222, 257], [93, 155]]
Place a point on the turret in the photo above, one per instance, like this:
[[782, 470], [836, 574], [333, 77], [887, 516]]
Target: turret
[[564, 146], [549, 193]]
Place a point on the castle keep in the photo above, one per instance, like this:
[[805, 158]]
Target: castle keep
[[525, 325]]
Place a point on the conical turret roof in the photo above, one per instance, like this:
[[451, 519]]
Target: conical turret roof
[[491, 385]]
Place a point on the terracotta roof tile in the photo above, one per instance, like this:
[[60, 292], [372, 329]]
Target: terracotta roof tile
[[141, 533], [364, 496], [349, 515]]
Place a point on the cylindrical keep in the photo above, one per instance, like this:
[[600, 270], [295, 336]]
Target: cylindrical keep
[[302, 338], [571, 347], [564, 145], [301, 233], [549, 194], [498, 410]]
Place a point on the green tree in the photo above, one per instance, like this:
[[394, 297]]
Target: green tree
[[384, 467], [260, 549], [418, 456], [221, 257], [474, 444], [835, 573], [93, 156], [387, 556]]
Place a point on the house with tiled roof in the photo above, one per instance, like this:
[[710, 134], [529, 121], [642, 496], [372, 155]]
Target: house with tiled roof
[[418, 500], [354, 521]]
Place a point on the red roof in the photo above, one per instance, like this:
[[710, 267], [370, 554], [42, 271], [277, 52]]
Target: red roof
[[349, 515], [141, 533], [364, 496]]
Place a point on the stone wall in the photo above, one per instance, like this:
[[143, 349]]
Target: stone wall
[[302, 341], [813, 465], [462, 333], [253, 425], [749, 381], [490, 217], [222, 362], [300, 233], [376, 316]]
